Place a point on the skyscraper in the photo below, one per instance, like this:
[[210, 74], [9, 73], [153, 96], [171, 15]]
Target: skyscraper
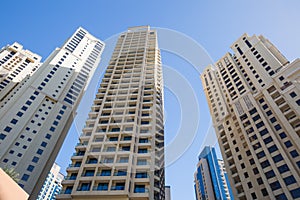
[[120, 154], [253, 96], [37, 116], [16, 64], [211, 180], [52, 185]]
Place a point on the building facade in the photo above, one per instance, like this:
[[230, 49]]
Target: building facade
[[253, 96], [120, 154], [211, 181], [16, 64], [52, 185], [36, 117], [167, 192]]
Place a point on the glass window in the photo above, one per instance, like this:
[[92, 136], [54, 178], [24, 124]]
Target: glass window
[[25, 177], [289, 180], [277, 158], [275, 185]]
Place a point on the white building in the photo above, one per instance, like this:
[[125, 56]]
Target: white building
[[120, 154], [16, 64], [253, 96], [37, 116], [52, 184]]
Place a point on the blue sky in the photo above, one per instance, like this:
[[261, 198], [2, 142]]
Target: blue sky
[[41, 26]]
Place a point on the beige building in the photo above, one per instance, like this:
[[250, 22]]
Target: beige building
[[120, 154], [36, 117], [16, 64], [254, 99]]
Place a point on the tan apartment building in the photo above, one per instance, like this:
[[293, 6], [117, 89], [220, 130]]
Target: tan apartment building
[[254, 98], [120, 154]]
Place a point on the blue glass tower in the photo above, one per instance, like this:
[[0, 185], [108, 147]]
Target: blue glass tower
[[211, 181]]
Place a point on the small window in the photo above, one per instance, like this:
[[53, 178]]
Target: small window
[[35, 159], [293, 94], [44, 144], [40, 151], [25, 177], [7, 129], [13, 121], [30, 168]]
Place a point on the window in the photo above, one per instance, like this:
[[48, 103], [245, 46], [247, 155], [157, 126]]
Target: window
[[275, 185], [282, 135], [102, 186], [25, 177], [281, 197], [283, 168], [24, 108], [289, 180], [123, 160], [268, 140], [265, 164], [30, 168], [277, 127], [264, 192], [260, 154], [13, 121], [270, 174], [272, 148], [288, 144], [293, 94], [295, 193], [141, 162], [2, 136], [52, 129], [259, 180], [44, 144], [277, 158], [105, 172], [7, 129], [263, 132], [48, 136], [39, 151], [294, 153]]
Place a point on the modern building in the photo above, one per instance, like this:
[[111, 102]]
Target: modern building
[[211, 181], [16, 64], [167, 192], [120, 154], [254, 99], [52, 185], [37, 116]]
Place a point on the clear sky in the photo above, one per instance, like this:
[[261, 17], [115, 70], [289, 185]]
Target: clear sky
[[41, 26]]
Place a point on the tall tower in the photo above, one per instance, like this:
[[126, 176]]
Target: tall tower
[[254, 101], [211, 180], [120, 154], [37, 116], [52, 185], [16, 64]]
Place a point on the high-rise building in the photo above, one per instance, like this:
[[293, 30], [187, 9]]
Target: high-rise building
[[254, 99], [167, 192], [120, 154], [52, 184], [211, 180], [36, 118], [16, 64]]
